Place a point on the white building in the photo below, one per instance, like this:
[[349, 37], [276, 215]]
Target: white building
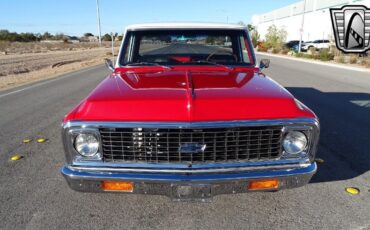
[[317, 21]]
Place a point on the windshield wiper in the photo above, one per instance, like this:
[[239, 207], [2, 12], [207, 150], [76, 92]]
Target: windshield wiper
[[209, 63], [147, 63]]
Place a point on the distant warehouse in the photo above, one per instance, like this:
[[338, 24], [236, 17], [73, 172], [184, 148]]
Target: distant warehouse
[[317, 21]]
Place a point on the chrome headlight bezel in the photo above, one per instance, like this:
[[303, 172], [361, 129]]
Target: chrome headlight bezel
[[311, 136], [69, 144]]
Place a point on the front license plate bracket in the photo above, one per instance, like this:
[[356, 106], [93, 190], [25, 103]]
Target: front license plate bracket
[[191, 192]]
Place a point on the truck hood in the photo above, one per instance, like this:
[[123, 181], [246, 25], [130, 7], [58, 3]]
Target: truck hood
[[187, 95]]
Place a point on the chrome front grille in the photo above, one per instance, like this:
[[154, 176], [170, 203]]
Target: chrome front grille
[[209, 145]]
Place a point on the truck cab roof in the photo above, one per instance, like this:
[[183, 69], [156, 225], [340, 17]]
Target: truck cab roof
[[184, 25]]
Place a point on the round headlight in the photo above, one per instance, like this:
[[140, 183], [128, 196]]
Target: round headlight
[[86, 144], [295, 142]]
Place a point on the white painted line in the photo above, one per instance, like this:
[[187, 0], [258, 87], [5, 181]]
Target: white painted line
[[68, 75], [359, 69]]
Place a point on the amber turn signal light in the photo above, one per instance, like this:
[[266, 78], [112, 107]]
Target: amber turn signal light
[[264, 184], [118, 186]]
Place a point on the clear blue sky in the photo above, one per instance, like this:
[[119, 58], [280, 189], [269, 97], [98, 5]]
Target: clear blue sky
[[76, 17]]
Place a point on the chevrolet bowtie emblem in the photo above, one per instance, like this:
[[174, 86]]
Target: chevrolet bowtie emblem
[[192, 148], [351, 25]]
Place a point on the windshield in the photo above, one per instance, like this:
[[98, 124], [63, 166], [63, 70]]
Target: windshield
[[184, 47]]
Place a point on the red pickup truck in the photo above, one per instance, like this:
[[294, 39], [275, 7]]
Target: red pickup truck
[[187, 113]]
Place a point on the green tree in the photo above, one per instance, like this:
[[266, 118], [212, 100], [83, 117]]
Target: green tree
[[47, 36], [251, 28], [38, 36], [275, 37], [88, 34], [255, 37], [27, 37], [107, 37], [58, 36], [5, 35]]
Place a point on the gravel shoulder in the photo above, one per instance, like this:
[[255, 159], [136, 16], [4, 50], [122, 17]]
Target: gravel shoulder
[[21, 69]]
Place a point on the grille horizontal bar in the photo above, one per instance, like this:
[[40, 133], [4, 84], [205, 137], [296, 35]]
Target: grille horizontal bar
[[166, 145]]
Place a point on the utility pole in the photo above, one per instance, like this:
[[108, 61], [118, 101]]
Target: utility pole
[[302, 25], [112, 37], [98, 16]]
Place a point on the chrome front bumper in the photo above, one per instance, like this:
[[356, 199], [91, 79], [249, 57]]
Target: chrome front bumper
[[89, 180]]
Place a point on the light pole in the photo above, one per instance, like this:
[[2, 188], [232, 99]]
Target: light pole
[[302, 25], [98, 16]]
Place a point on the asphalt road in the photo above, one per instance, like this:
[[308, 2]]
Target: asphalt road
[[34, 195]]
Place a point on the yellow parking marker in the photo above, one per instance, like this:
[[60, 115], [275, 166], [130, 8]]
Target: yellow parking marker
[[16, 157], [319, 160], [353, 190], [41, 140], [26, 141]]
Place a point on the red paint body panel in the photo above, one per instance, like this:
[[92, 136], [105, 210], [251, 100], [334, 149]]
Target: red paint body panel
[[160, 94]]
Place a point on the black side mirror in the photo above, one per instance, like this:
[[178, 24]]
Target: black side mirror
[[264, 63], [109, 64]]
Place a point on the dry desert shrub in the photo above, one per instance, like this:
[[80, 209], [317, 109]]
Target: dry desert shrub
[[353, 59], [284, 51], [339, 59], [367, 62], [312, 51], [335, 51], [4, 45]]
